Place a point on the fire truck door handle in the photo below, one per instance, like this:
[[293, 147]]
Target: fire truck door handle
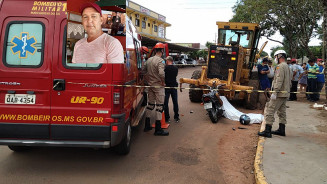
[[59, 84]]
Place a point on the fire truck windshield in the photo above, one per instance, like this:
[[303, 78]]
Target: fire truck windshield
[[241, 37]]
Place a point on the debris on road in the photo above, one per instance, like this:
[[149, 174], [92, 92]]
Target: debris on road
[[233, 114], [319, 106]]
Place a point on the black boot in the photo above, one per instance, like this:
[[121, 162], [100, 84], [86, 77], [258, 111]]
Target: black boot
[[280, 131], [159, 131], [147, 126], [266, 132], [145, 99]]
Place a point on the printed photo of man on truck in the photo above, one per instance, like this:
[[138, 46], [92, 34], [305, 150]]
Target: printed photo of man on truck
[[97, 47]]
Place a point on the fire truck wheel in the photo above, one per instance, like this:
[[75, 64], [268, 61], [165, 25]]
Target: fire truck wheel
[[195, 95], [123, 147], [251, 99], [19, 148]]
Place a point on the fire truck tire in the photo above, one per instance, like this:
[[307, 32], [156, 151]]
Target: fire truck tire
[[251, 99], [124, 146], [19, 148], [195, 95]]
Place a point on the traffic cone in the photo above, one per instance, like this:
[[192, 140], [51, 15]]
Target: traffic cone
[[164, 125]]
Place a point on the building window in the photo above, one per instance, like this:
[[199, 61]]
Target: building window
[[155, 28], [143, 24], [149, 25], [131, 18], [137, 22]]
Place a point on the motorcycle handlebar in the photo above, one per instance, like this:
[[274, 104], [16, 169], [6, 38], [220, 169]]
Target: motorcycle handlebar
[[216, 87]]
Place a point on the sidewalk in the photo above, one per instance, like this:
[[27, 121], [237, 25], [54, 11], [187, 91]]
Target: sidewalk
[[301, 156]]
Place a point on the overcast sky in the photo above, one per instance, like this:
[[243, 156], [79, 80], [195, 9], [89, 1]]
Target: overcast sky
[[194, 21]]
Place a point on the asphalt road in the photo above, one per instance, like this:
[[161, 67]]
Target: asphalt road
[[188, 155]]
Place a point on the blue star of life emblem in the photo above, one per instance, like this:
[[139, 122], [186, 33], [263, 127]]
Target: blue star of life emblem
[[23, 45]]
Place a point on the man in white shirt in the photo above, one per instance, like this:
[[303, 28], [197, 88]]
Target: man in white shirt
[[271, 72], [295, 73], [98, 47]]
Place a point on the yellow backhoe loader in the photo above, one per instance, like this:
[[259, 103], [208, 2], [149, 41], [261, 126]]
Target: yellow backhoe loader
[[230, 62]]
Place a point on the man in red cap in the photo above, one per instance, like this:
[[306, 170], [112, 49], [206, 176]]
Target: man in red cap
[[98, 47]]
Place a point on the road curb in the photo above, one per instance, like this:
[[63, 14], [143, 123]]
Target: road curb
[[258, 167]]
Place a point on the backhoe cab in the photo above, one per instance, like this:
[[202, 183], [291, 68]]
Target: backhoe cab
[[230, 62]]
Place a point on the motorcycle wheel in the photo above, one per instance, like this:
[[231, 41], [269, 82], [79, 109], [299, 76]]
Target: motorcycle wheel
[[213, 115]]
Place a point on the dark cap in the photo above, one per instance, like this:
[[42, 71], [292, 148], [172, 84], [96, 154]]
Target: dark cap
[[265, 60], [92, 5], [311, 61]]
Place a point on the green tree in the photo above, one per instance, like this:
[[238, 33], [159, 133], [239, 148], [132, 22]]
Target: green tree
[[316, 51], [194, 54], [295, 20], [203, 53], [320, 32], [324, 27], [263, 54], [208, 44]]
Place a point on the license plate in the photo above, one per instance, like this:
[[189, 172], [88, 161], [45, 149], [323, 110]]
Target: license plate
[[19, 99], [207, 105]]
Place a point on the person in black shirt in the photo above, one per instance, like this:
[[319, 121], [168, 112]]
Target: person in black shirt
[[171, 72]]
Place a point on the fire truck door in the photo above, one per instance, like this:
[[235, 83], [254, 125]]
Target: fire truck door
[[80, 95], [25, 75]]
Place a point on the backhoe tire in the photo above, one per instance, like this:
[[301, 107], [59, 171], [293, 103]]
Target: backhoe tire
[[251, 99], [195, 95], [213, 115]]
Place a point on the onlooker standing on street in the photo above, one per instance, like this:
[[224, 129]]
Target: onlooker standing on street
[[144, 57], [303, 78], [171, 73], [263, 70], [271, 72], [281, 82], [289, 62], [153, 69], [313, 70], [144, 53], [320, 77], [295, 73]]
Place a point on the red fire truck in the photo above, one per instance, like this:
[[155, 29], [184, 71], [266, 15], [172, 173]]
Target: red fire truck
[[45, 100]]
